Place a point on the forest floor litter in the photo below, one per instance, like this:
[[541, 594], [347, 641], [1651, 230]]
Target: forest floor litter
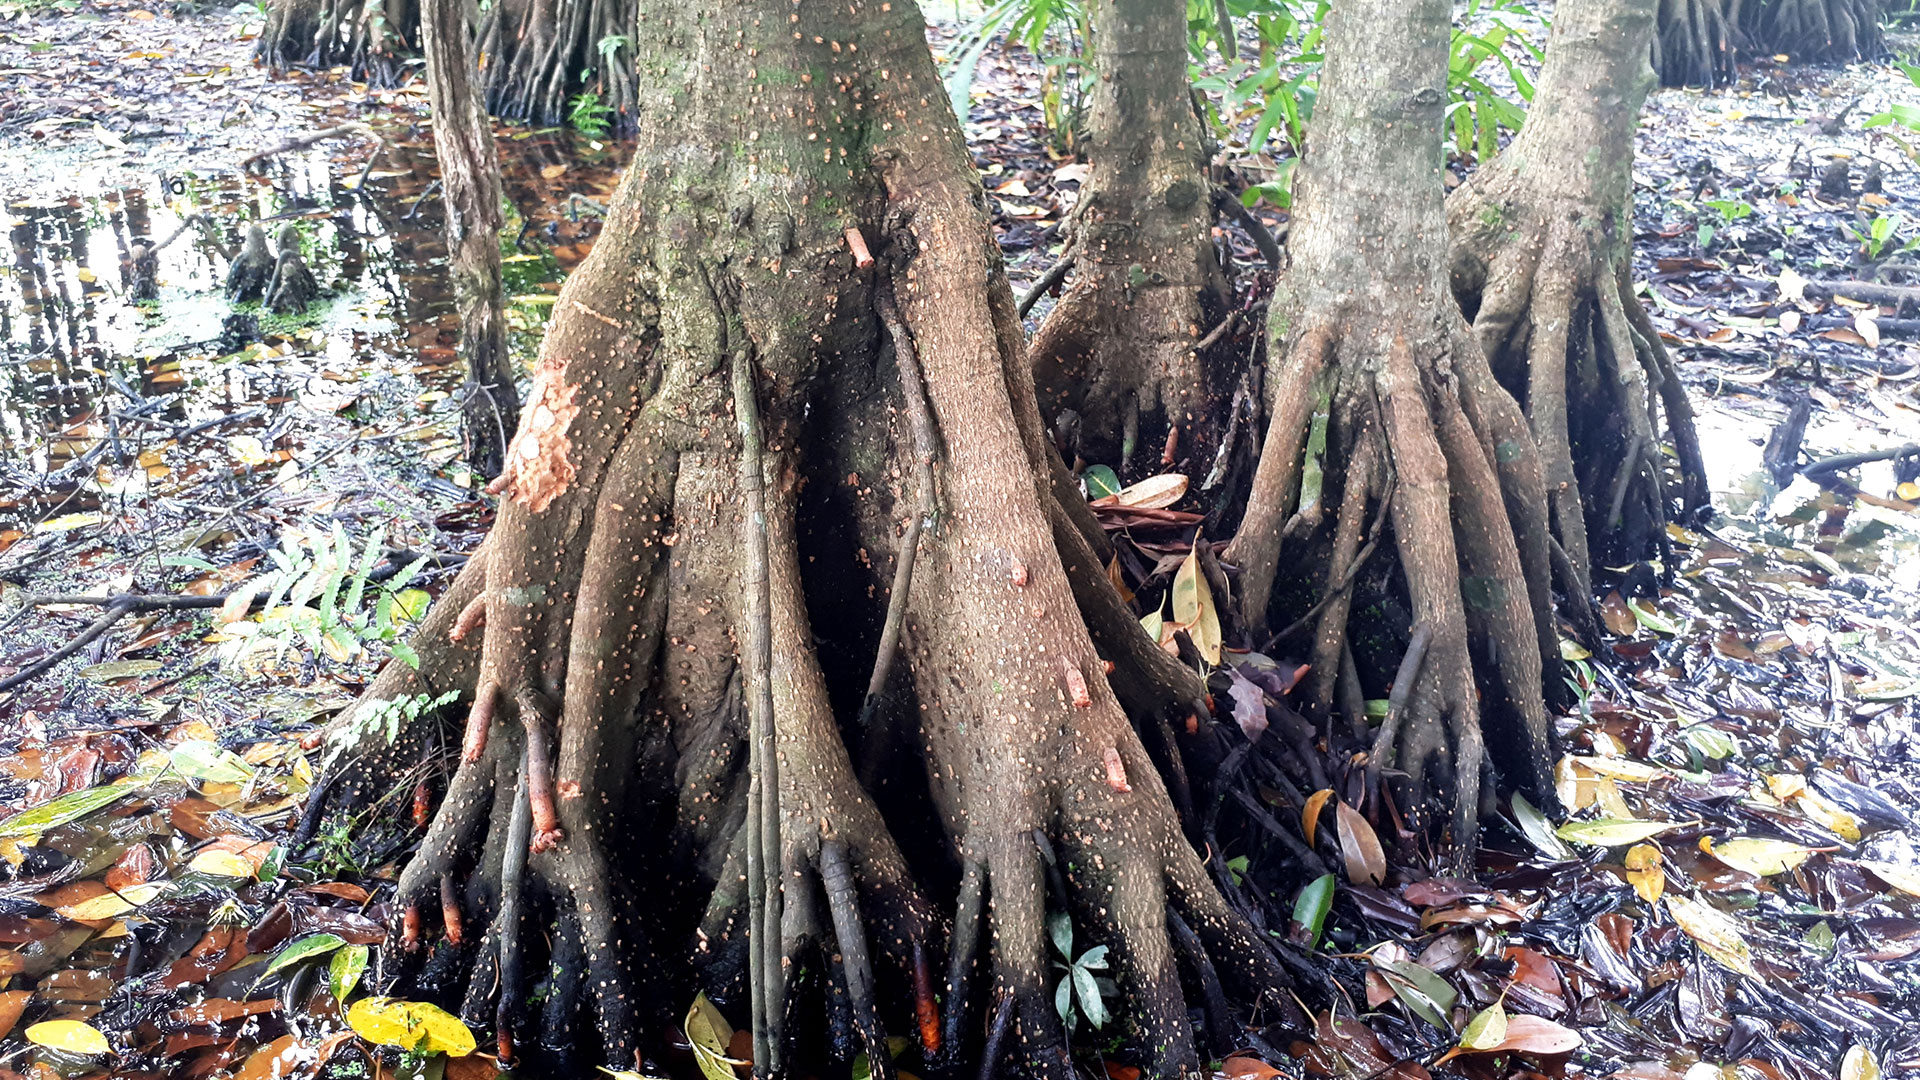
[[237, 516]]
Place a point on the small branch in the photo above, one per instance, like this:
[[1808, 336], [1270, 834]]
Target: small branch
[[303, 141], [1871, 292], [997, 1037], [1046, 282], [920, 422], [1403, 680], [968, 920], [1214, 335], [1225, 203], [450, 911]]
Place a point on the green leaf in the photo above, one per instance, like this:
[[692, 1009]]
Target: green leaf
[[1711, 742], [1487, 1029], [1425, 994], [67, 808], [1060, 929], [1101, 481], [1310, 910], [1088, 991], [410, 605], [345, 969], [1613, 832], [203, 760], [305, 949], [1537, 829], [1650, 617]]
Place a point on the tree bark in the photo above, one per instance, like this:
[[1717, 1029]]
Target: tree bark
[[1541, 261], [1365, 335], [470, 191], [1119, 348], [718, 447]]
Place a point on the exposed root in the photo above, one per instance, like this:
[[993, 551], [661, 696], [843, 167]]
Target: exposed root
[[1368, 357]]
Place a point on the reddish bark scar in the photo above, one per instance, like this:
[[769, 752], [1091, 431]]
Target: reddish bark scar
[[1020, 574], [569, 789], [1076, 685], [1116, 771], [538, 470]]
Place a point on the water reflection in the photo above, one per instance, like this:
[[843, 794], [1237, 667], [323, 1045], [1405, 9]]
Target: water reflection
[[84, 366]]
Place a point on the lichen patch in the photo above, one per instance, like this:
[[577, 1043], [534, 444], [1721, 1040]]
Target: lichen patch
[[538, 467]]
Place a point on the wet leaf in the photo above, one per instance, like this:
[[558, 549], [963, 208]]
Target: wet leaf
[[120, 669], [1310, 911], [1153, 493], [1526, 1035], [1613, 832], [1537, 829], [1101, 481], [345, 969], [1756, 855], [1651, 617], [1618, 616], [67, 808], [70, 1036], [1486, 1030], [1644, 872], [1711, 742], [1859, 1064], [1366, 860], [410, 605], [248, 450], [1620, 768], [1717, 933], [110, 905], [12, 1004], [1904, 878], [1240, 1067], [1193, 606], [305, 949], [216, 863], [710, 1033], [1428, 995], [203, 760], [1310, 813], [410, 1025]]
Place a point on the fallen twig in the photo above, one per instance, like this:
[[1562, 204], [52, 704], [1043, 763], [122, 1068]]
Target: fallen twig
[[302, 141]]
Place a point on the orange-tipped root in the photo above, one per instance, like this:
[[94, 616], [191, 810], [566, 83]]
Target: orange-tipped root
[[479, 720]]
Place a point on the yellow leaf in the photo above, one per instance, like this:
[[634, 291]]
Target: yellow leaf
[[219, 863], [1819, 808], [710, 1033], [69, 522], [1859, 1065], [70, 1036], [1716, 931], [1644, 872], [410, 1025], [1310, 813], [1757, 856], [1193, 607], [248, 450], [1619, 768], [112, 904]]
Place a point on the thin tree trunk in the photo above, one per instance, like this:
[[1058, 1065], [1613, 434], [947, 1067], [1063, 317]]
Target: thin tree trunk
[[1365, 335], [1146, 285], [470, 190]]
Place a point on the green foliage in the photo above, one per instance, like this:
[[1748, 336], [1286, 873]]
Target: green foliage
[[320, 595], [1878, 238], [1055, 31], [610, 46], [1476, 111], [587, 114], [1081, 992], [384, 718]]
